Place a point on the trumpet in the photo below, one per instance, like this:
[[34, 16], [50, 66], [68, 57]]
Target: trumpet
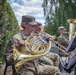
[[62, 49], [70, 33], [59, 47], [51, 38]]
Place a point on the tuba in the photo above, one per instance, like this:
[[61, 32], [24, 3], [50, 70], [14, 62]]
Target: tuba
[[36, 46], [72, 27]]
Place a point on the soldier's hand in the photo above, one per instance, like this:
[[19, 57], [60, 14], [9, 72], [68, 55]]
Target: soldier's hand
[[22, 42]]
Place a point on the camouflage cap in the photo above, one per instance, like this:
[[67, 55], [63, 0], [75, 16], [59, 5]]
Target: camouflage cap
[[29, 19], [39, 24], [61, 27]]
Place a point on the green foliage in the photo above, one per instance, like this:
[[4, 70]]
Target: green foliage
[[8, 24], [65, 10]]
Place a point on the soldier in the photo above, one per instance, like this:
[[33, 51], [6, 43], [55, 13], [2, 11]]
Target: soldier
[[62, 39], [50, 58], [70, 46], [29, 68]]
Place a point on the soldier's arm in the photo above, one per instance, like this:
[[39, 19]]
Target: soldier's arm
[[63, 40], [46, 60], [9, 49]]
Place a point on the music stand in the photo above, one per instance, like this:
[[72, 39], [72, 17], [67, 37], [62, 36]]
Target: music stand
[[72, 44]]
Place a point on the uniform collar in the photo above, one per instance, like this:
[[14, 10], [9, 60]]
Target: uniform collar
[[24, 36]]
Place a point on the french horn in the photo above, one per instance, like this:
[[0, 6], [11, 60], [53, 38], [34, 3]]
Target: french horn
[[36, 46]]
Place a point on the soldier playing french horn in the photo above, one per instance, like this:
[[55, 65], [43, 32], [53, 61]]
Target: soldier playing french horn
[[31, 67]]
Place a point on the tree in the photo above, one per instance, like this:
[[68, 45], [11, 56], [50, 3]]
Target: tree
[[58, 12], [8, 25]]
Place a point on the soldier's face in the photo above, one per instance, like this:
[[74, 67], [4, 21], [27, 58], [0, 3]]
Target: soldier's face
[[43, 29], [28, 29], [37, 29], [63, 31]]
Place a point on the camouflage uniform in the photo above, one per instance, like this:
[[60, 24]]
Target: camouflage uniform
[[54, 57], [31, 67], [51, 59], [63, 40]]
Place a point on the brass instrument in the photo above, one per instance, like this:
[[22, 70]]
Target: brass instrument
[[60, 47], [72, 27], [36, 46], [72, 32]]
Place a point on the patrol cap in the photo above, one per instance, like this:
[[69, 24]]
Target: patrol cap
[[29, 19], [39, 24], [62, 27]]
